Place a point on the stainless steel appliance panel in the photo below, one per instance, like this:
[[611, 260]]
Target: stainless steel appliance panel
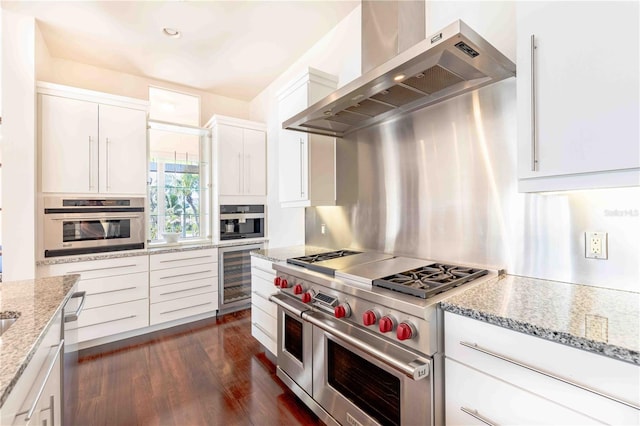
[[241, 221], [441, 184], [234, 276], [92, 225]]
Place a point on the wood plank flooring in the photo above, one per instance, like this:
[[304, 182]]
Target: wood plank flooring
[[210, 372]]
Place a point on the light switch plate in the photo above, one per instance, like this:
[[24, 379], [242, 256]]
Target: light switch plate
[[596, 245]]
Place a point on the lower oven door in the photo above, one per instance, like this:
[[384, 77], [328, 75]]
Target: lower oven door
[[360, 378], [294, 342]]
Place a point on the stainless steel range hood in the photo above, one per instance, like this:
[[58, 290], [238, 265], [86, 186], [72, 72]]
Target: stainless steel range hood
[[451, 62]]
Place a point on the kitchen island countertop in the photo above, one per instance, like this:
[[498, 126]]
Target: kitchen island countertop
[[599, 320], [37, 301]]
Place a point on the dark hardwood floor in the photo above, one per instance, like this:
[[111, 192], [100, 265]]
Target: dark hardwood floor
[[210, 372]]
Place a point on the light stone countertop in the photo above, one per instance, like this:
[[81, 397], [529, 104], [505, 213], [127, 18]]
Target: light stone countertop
[[598, 320], [156, 249], [37, 301]]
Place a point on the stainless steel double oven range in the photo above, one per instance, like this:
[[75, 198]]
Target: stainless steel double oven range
[[360, 335]]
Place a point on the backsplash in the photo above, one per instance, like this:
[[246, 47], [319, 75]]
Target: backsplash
[[441, 184]]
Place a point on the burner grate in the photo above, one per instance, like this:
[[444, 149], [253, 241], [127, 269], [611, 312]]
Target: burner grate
[[427, 281], [321, 257]]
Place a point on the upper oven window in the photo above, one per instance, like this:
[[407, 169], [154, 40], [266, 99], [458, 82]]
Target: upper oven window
[[374, 390], [91, 230]]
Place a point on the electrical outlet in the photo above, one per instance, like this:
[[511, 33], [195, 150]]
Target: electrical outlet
[[323, 229], [595, 245]]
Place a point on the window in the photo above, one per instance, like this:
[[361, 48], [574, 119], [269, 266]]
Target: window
[[179, 196]]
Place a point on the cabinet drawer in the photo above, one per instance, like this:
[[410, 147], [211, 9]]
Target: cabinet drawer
[[464, 337], [183, 289], [183, 307], [113, 319], [263, 286], [181, 274], [101, 268], [265, 339], [262, 264], [183, 258], [262, 302], [498, 402], [264, 321], [110, 290]]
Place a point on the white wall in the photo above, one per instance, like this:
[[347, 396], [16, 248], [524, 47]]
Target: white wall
[[76, 74], [337, 53], [18, 146]]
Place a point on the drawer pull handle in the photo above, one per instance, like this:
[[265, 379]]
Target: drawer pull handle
[[113, 291], [261, 296], [184, 275], [108, 321], [187, 289], [32, 410], [188, 307], [474, 414], [74, 316], [269, 335], [101, 269], [545, 373], [185, 258]]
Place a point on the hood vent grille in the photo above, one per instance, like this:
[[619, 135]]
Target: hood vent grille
[[454, 61]]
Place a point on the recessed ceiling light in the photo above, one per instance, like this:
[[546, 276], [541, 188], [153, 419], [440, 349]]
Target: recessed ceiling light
[[398, 77], [171, 32]]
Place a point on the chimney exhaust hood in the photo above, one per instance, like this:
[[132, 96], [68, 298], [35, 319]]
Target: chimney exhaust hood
[[451, 62]]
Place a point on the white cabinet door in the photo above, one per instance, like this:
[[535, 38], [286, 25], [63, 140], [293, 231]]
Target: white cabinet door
[[123, 150], [585, 104], [230, 160], [255, 162], [69, 144], [292, 165]]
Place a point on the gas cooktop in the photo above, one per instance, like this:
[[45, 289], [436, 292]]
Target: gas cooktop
[[427, 281]]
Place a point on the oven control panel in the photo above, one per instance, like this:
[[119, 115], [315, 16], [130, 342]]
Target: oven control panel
[[412, 331]]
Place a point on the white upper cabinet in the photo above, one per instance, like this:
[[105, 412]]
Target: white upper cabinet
[[306, 162], [240, 153], [91, 144], [578, 95]]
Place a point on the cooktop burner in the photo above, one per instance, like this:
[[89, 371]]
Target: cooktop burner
[[305, 260], [430, 280]]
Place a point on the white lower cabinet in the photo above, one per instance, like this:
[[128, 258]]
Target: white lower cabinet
[[117, 296], [183, 284], [506, 377], [264, 324], [36, 398]]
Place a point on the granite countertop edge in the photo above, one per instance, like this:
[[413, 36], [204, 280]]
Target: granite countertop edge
[[153, 250], [30, 352], [579, 342]]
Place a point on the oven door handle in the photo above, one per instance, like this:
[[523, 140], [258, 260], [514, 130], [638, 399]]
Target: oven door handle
[[410, 363], [288, 304], [101, 216]]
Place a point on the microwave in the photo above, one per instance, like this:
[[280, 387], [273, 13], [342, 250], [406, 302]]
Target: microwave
[[241, 221], [92, 225]]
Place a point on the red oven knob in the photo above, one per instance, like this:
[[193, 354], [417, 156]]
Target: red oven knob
[[405, 331], [386, 324], [297, 289], [306, 297], [284, 283], [369, 318], [342, 311], [277, 281]]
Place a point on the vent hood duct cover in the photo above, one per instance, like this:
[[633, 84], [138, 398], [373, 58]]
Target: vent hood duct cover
[[453, 61]]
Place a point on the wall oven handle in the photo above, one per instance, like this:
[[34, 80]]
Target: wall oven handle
[[550, 375], [74, 316], [407, 362], [97, 217], [475, 415]]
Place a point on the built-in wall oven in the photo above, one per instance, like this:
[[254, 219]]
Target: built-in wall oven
[[92, 225], [234, 276]]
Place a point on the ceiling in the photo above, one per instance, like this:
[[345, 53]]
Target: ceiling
[[231, 48]]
